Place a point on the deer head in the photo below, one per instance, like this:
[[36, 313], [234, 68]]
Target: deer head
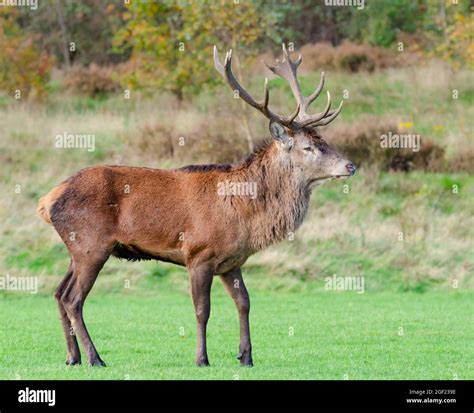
[[296, 135]]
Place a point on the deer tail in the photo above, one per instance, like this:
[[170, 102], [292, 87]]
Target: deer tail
[[46, 202]]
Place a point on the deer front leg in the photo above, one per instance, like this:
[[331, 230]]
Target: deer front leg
[[201, 281], [234, 284]]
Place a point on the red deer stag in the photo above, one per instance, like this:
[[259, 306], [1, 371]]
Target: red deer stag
[[182, 216]]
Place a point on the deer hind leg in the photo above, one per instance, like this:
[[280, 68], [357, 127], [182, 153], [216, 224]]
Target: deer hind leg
[[86, 268], [234, 284], [73, 353]]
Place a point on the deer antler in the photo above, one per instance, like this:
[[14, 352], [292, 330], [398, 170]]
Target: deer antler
[[226, 72], [286, 68]]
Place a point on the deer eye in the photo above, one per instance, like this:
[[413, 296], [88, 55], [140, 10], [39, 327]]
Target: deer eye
[[308, 148]]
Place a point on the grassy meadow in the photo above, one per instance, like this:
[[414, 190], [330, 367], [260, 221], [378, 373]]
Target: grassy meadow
[[295, 336], [422, 283]]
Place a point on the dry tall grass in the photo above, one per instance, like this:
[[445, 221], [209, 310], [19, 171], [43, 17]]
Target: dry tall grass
[[351, 233]]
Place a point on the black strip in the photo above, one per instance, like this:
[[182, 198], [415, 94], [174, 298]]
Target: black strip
[[210, 395]]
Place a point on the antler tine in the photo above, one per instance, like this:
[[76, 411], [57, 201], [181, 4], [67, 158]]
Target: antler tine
[[315, 118], [286, 69], [217, 63], [288, 121], [266, 94], [283, 120], [329, 118], [311, 98], [286, 56]]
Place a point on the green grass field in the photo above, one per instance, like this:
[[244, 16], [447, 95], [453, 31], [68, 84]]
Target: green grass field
[[324, 335]]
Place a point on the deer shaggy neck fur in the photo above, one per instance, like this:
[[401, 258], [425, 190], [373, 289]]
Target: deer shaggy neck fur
[[281, 200]]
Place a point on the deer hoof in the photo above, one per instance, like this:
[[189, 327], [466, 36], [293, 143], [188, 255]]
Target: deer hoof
[[245, 358], [97, 363], [72, 362], [202, 363]]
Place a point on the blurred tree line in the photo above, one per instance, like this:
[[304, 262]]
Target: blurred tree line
[[159, 44]]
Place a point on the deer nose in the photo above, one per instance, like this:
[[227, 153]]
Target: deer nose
[[351, 168]]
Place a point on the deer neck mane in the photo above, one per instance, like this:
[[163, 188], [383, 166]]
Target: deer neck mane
[[279, 202]]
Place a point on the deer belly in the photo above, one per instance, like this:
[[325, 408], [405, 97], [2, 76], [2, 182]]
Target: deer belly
[[133, 252]]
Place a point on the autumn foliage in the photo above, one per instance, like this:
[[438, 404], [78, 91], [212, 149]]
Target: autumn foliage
[[24, 69], [166, 46], [168, 40]]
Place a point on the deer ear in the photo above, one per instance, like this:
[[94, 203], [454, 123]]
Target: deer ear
[[281, 135]]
